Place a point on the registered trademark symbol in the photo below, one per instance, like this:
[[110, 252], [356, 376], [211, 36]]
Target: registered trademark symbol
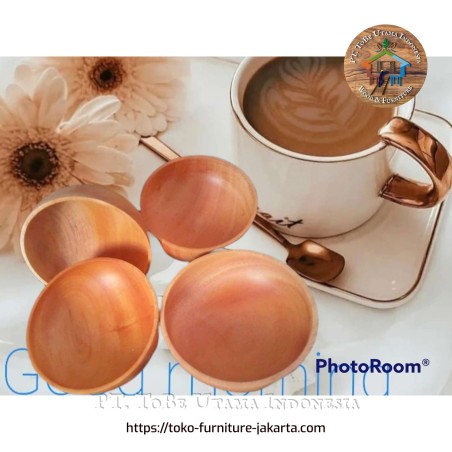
[[425, 362]]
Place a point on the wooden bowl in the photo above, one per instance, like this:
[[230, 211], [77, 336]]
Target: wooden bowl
[[238, 320], [196, 204], [94, 326], [83, 222]]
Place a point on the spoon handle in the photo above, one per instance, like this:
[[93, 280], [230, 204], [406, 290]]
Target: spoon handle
[[159, 148], [263, 224]]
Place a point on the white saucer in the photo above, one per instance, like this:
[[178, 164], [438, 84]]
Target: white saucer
[[386, 258]]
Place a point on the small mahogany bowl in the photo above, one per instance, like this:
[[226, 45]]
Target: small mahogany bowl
[[83, 222], [238, 320], [196, 204], [93, 327]]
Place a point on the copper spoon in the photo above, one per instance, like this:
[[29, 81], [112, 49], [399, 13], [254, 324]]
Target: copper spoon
[[309, 259]]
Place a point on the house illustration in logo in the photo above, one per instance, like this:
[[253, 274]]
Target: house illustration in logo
[[385, 63]]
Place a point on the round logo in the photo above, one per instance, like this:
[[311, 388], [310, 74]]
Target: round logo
[[385, 65]]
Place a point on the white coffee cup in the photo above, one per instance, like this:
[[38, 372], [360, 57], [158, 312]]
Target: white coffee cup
[[311, 196]]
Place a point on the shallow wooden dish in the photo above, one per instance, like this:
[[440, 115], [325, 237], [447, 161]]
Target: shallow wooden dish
[[238, 320], [94, 327], [196, 204], [83, 222]]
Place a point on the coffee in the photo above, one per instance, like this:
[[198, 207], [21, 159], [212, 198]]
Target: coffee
[[305, 105]]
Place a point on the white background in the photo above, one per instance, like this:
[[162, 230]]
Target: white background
[[206, 28]]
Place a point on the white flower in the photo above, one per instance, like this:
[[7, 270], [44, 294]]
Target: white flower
[[41, 152], [151, 90]]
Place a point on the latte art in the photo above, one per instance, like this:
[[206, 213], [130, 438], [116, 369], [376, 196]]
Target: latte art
[[305, 105]]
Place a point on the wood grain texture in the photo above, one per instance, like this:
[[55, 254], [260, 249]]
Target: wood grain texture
[[83, 222], [196, 204], [359, 74], [94, 327], [238, 320]]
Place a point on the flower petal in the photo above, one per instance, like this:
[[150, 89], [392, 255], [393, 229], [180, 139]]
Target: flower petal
[[98, 130], [125, 179], [43, 82], [28, 112], [54, 114], [53, 103], [173, 88], [150, 97], [9, 211], [162, 71], [69, 63], [25, 78], [20, 105], [144, 125], [99, 108], [14, 94], [75, 98], [139, 103], [125, 142], [81, 146], [18, 102], [89, 175], [5, 116], [105, 159], [71, 124], [159, 122], [127, 119]]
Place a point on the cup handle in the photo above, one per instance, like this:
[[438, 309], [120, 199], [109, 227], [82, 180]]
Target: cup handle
[[429, 153]]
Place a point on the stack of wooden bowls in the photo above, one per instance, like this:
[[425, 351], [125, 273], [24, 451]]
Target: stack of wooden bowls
[[237, 320]]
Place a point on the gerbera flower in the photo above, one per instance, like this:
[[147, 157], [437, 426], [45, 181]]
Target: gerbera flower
[[41, 152], [151, 90]]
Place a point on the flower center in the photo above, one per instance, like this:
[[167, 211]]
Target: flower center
[[36, 164], [107, 74]]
